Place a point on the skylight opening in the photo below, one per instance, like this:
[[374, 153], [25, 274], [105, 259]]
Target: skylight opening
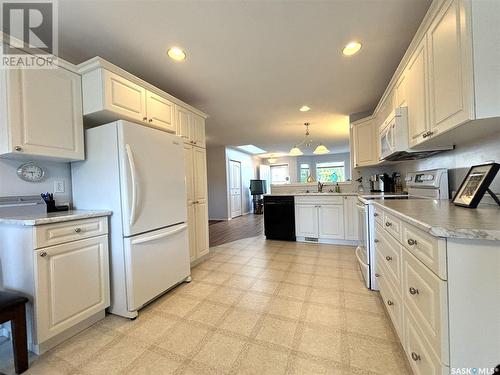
[[251, 149]]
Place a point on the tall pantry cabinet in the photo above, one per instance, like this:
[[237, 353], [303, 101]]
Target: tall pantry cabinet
[[191, 128]]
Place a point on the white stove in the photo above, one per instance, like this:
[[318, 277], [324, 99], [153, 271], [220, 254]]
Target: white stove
[[430, 184]]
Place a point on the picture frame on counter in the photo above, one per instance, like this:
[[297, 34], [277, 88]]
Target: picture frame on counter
[[475, 184]]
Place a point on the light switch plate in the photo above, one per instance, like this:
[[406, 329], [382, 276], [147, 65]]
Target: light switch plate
[[59, 186]]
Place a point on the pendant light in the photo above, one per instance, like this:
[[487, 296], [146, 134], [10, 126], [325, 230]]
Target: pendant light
[[321, 149], [307, 142], [295, 151]]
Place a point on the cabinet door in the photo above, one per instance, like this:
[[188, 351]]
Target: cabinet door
[[351, 219], [450, 82], [184, 128], [188, 160], [71, 283], [200, 174], [160, 112], [401, 99], [44, 113], [124, 97], [416, 91], [198, 130], [191, 217], [331, 222], [365, 143], [306, 220], [201, 226]]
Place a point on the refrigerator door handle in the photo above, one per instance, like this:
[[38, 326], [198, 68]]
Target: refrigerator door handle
[[133, 176], [158, 236]]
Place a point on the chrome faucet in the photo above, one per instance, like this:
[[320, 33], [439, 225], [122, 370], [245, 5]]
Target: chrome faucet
[[320, 187]]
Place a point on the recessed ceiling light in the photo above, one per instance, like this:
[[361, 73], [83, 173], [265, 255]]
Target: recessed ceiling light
[[177, 54], [304, 108], [351, 48]]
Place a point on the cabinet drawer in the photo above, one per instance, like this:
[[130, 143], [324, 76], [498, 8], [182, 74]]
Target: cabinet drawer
[[379, 215], [392, 302], [392, 225], [426, 298], [319, 200], [53, 234], [430, 250], [389, 253], [422, 360]]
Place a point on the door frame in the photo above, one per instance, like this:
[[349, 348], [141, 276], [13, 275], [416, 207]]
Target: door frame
[[230, 208]]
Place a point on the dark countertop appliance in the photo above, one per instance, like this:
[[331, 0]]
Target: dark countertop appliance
[[279, 217]]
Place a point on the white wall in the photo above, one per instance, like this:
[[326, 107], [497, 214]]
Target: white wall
[[249, 171], [217, 183], [457, 162], [11, 185]]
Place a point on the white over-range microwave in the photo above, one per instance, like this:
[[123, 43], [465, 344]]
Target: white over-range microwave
[[394, 142]]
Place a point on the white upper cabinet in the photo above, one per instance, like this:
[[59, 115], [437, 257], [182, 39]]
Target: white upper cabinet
[[184, 122], [41, 114], [111, 93], [198, 130], [364, 137], [190, 127], [416, 86], [450, 76], [160, 112], [400, 97], [122, 97], [450, 73]]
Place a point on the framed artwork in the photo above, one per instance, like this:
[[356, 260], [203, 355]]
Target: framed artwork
[[475, 184]]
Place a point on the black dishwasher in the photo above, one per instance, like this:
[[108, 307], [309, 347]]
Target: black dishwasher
[[279, 217]]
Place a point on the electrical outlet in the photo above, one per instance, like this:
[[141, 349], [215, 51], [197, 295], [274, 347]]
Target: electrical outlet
[[59, 186]]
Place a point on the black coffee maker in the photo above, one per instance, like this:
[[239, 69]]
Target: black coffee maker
[[389, 185]]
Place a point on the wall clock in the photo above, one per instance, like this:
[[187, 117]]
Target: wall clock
[[30, 172]]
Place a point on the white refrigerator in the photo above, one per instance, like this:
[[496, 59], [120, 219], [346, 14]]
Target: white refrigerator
[[138, 173]]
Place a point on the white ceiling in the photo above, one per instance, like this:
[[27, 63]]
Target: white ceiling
[[251, 64]]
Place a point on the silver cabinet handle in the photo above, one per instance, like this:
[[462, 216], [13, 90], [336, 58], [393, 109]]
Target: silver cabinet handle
[[389, 302], [144, 118], [150, 120], [388, 224], [18, 148], [376, 241], [375, 214], [411, 242], [377, 275], [388, 258], [78, 230], [415, 356], [413, 291], [43, 254]]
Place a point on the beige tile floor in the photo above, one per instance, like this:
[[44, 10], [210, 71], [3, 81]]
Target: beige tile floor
[[254, 307]]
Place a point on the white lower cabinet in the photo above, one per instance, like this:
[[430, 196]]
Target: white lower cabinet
[[441, 296], [331, 222], [65, 279], [351, 218], [306, 220], [197, 207], [320, 218], [71, 284]]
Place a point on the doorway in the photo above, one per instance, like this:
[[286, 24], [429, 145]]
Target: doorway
[[235, 188]]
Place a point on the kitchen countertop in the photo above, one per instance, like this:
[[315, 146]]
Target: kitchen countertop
[[444, 219], [50, 218]]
